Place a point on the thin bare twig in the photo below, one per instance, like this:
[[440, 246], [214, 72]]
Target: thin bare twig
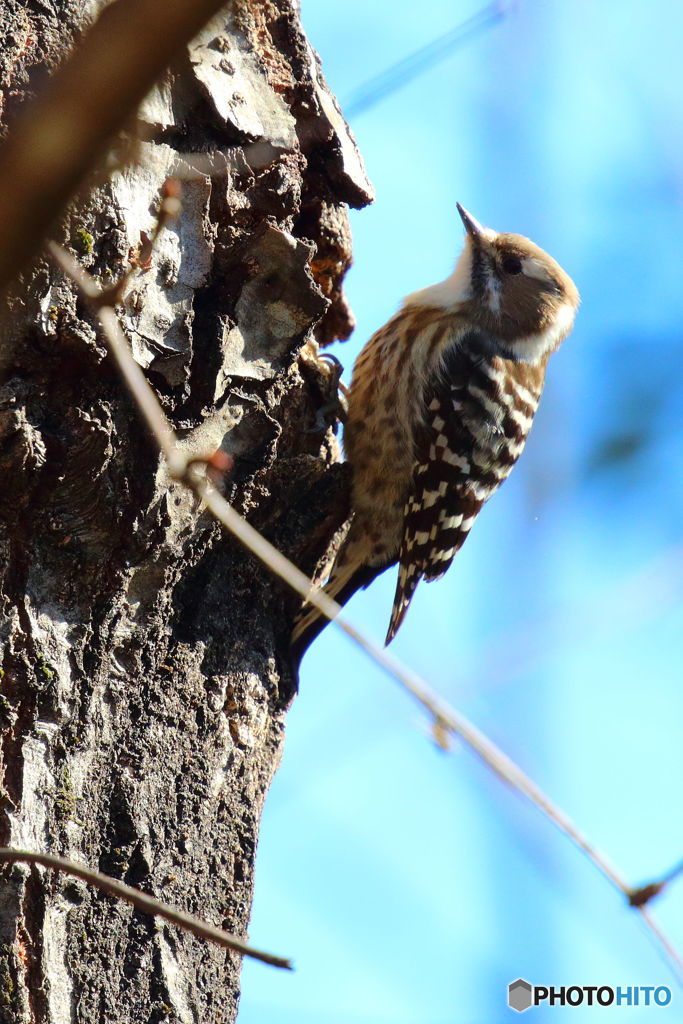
[[130, 371], [644, 893], [445, 718], [141, 901]]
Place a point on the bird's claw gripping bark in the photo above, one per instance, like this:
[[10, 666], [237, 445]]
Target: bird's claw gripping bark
[[327, 370]]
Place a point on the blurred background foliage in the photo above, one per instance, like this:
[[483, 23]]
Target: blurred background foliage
[[410, 886]]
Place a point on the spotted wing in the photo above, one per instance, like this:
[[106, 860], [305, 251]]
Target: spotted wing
[[455, 473]]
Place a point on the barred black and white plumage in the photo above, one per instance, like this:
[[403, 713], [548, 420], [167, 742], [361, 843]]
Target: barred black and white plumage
[[475, 427], [440, 405]]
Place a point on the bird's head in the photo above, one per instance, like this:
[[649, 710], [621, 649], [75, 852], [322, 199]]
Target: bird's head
[[514, 292]]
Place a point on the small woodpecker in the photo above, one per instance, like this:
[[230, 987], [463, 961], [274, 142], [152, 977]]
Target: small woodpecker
[[441, 402]]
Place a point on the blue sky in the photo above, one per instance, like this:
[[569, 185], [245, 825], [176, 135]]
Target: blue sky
[[411, 886]]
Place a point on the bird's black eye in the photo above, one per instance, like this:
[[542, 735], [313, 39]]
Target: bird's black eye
[[512, 265]]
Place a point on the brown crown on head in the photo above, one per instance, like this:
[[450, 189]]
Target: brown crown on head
[[518, 289]]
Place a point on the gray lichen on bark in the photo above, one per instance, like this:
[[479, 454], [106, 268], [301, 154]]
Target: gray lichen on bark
[[144, 663]]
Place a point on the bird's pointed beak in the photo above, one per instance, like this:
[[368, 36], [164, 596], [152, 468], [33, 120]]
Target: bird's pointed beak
[[472, 225]]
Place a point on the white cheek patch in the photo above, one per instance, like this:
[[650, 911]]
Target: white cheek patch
[[532, 348], [534, 268], [455, 289]]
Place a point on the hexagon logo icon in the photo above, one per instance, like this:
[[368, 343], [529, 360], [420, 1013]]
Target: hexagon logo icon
[[519, 995]]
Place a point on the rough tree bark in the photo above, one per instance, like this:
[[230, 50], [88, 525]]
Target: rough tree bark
[[144, 671]]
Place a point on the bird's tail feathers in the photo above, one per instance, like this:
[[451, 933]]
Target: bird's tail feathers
[[408, 578], [345, 580]]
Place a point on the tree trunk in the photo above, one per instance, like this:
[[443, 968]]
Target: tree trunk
[[144, 654]]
